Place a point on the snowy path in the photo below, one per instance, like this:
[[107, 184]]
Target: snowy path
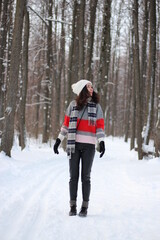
[[34, 199]]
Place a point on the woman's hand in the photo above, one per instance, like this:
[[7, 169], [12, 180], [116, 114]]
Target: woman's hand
[[56, 145], [102, 148]]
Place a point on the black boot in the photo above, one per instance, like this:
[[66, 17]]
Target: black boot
[[73, 211], [83, 212]]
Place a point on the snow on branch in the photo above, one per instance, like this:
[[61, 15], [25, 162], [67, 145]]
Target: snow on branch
[[38, 103], [59, 21], [43, 97], [2, 118]]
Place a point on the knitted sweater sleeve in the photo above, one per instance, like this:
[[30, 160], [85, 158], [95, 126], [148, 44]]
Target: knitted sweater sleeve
[[65, 125], [100, 124]]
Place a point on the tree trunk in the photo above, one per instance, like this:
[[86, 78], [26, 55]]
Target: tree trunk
[[10, 38], [115, 91], [115, 70], [129, 93], [3, 37], [81, 39], [105, 54], [22, 104], [61, 63], [8, 133], [133, 114], [144, 59], [133, 93], [48, 83], [152, 69], [41, 71], [0, 8], [71, 51], [138, 80], [37, 115], [157, 132], [89, 55], [76, 50]]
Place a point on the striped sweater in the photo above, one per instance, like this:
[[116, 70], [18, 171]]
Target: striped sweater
[[85, 133]]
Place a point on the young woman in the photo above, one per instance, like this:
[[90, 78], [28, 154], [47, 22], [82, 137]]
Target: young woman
[[83, 125]]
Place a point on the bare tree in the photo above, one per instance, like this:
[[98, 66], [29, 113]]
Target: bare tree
[[115, 69], [151, 72], [137, 79], [8, 131], [48, 82], [128, 116], [105, 53], [61, 63], [81, 38], [3, 41], [91, 31], [24, 82], [71, 51], [144, 57], [133, 94]]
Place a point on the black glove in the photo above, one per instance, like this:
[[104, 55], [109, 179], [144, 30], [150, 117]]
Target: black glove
[[56, 145], [102, 148]]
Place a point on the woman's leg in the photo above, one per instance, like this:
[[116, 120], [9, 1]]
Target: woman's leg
[[74, 175], [87, 160]]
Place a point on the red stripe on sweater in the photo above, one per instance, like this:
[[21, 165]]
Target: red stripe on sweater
[[66, 121], [100, 123], [84, 124]]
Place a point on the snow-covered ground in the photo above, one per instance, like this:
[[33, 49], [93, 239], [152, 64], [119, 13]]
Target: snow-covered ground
[[34, 197]]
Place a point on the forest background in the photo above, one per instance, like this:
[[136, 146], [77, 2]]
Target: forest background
[[47, 45]]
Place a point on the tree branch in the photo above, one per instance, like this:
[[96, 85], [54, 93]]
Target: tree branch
[[38, 15]]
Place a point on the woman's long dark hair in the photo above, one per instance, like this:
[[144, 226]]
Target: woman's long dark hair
[[83, 97]]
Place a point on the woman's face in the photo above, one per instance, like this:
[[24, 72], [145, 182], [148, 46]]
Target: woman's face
[[90, 88]]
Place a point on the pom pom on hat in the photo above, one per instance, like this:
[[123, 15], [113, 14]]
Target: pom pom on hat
[[78, 86]]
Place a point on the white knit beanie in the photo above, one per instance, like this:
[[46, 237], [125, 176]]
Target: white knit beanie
[[78, 86]]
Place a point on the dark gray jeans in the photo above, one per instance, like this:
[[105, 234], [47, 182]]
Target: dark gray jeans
[[84, 152]]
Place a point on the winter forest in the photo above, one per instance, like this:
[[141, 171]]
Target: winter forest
[[47, 45]]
